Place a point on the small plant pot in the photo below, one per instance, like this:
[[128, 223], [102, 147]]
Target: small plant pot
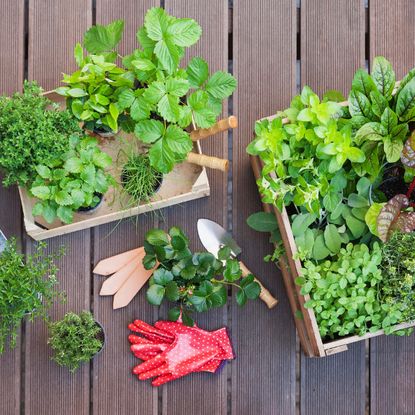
[[89, 210], [101, 336], [156, 187]]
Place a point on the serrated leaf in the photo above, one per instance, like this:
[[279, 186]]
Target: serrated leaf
[[241, 298], [197, 72], [100, 38], [157, 237], [155, 294], [174, 313], [252, 290], [162, 276], [65, 214], [63, 198], [41, 192], [169, 108], [221, 85], [185, 32], [44, 172], [143, 64], [149, 131], [162, 157], [178, 140], [101, 159]]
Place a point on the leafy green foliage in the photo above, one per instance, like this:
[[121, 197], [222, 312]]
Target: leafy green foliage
[[75, 339], [196, 281], [139, 179], [27, 287], [398, 270], [344, 292], [21, 150], [75, 179]]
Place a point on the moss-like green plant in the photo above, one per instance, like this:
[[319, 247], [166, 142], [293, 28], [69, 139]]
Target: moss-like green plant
[[27, 287], [75, 339], [139, 179]]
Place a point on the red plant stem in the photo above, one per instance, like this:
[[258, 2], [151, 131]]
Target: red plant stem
[[411, 188]]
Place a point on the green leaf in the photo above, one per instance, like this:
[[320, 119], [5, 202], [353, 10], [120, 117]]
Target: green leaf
[[356, 226], [155, 294], [88, 174], [399, 133], [363, 83], [185, 32], [101, 159], [372, 131], [301, 222], [232, 270], [178, 242], [41, 192], [162, 157], [37, 209], [393, 150], [178, 141], [389, 119], [65, 214], [174, 313], [372, 216], [320, 250], [379, 103], [143, 64], [357, 201], [73, 165], [78, 197], [224, 253], [63, 198], [169, 108], [359, 105], [241, 297], [187, 320], [262, 222], [197, 72], [405, 103], [78, 54], [140, 109], [149, 131], [114, 112], [155, 23], [49, 212], [221, 85], [203, 116], [100, 38], [252, 290], [331, 200], [363, 186], [76, 92], [162, 276], [44, 172], [177, 86], [126, 98], [383, 76], [157, 237], [168, 55], [332, 239]]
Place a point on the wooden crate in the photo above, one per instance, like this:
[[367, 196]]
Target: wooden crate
[[304, 318], [185, 182]]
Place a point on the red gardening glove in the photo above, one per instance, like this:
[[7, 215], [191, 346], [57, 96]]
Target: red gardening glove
[[192, 350]]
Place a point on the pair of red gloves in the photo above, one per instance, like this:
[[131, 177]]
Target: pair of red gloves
[[171, 350]]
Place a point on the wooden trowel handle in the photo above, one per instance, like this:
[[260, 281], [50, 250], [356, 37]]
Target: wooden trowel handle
[[222, 125], [208, 161], [265, 295]]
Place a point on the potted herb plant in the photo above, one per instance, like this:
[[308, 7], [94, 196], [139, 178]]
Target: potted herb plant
[[194, 281], [153, 96], [33, 131], [27, 286], [74, 181], [332, 168], [75, 339]]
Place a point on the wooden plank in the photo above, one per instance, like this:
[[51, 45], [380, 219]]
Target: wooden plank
[[115, 389], [51, 389], [332, 43], [11, 45], [54, 29], [184, 396], [391, 375], [11, 78], [264, 339], [334, 384], [392, 33], [332, 48]]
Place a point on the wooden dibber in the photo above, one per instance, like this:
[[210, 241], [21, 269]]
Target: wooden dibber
[[221, 125], [264, 295], [208, 161]]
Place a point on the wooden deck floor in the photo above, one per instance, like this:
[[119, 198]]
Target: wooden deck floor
[[274, 47]]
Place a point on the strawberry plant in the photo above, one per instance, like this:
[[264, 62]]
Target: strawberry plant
[[77, 179], [195, 281]]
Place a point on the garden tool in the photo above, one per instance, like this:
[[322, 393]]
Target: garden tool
[[129, 275], [213, 237], [177, 349], [221, 125], [208, 161]]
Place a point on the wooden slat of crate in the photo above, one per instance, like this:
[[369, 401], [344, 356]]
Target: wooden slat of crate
[[184, 396], [115, 389], [54, 28], [264, 339], [392, 34], [11, 79]]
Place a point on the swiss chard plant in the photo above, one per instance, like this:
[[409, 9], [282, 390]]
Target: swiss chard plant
[[194, 281], [77, 179]]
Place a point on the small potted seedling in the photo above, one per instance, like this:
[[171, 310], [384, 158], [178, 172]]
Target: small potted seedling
[[75, 339], [27, 287]]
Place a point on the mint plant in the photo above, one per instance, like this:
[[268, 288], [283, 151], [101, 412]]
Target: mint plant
[[76, 179], [195, 281]]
